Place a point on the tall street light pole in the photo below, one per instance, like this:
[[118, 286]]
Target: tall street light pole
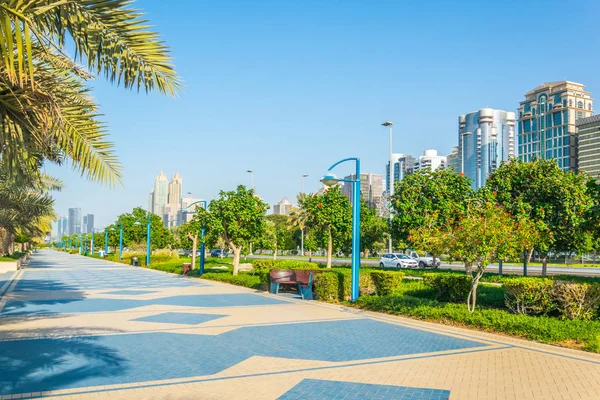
[[329, 180], [391, 183], [462, 148], [106, 240], [302, 230], [121, 243], [148, 232], [251, 172]]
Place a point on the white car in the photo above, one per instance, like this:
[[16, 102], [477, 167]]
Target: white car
[[397, 260]]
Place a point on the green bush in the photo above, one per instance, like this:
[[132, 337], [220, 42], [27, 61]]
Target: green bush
[[283, 264], [529, 296], [542, 329], [576, 300], [386, 282], [327, 286], [245, 279], [449, 287]]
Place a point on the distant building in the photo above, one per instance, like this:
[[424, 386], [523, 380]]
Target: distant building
[[283, 207], [188, 209], [371, 190], [547, 122], [403, 165], [160, 194], [165, 198], [74, 221], [452, 160], [88, 223], [65, 226], [588, 145], [485, 138], [175, 191], [430, 160], [62, 227]]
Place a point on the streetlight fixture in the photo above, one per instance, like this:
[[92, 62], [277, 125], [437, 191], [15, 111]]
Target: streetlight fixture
[[80, 244], [391, 183], [92, 243], [302, 230], [462, 148], [251, 172], [120, 240], [106, 240], [331, 179]]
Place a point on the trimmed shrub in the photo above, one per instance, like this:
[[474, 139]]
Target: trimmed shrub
[[242, 279], [576, 300], [386, 282], [283, 264], [449, 287], [327, 286], [529, 296]]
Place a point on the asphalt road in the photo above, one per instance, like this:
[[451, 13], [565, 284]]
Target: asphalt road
[[506, 268]]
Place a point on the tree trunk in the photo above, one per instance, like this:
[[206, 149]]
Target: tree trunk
[[275, 254], [545, 265], [194, 247], [329, 249], [530, 253], [434, 259], [472, 299], [468, 268], [366, 253], [236, 258]]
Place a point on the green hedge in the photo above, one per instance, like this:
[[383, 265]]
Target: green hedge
[[246, 279], [327, 287], [576, 300], [386, 282], [529, 296], [269, 264], [542, 329], [449, 287]]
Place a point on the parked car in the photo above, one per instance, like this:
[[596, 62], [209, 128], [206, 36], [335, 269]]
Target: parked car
[[424, 261], [397, 260], [218, 253]]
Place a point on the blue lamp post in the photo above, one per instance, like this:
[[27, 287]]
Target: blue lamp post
[[92, 244], [148, 242], [80, 244], [329, 180], [121, 243], [106, 240]]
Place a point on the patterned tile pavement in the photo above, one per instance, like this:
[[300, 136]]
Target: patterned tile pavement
[[75, 327]]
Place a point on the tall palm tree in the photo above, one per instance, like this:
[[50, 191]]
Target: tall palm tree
[[46, 111], [299, 216]]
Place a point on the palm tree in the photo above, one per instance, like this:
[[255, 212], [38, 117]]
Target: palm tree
[[299, 217], [25, 209], [46, 111]]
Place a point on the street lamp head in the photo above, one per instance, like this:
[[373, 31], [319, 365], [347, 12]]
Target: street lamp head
[[304, 175], [250, 171], [387, 123], [466, 133], [329, 179]]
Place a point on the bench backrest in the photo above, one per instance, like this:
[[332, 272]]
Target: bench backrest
[[299, 275]]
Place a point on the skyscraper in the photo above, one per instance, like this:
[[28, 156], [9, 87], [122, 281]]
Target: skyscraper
[[588, 145], [160, 194], [59, 226], [452, 160], [89, 223], [74, 221], [403, 165], [283, 207], [175, 191], [430, 160], [485, 139], [547, 122], [371, 190]]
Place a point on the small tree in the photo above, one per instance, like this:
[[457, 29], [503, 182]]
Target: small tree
[[238, 217], [487, 233], [189, 232], [431, 237], [329, 219]]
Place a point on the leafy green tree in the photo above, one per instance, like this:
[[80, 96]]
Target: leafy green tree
[[555, 202], [373, 230], [238, 218], [189, 234], [432, 237], [434, 198], [46, 110], [485, 234], [329, 218]]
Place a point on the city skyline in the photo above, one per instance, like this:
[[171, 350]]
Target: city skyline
[[221, 126]]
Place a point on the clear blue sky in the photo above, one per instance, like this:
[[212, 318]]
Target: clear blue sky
[[289, 87]]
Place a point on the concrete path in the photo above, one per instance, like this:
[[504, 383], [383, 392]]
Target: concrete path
[[80, 328]]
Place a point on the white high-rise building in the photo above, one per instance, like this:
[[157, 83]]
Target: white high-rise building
[[160, 194], [430, 160], [283, 207], [175, 190], [485, 138], [403, 165]]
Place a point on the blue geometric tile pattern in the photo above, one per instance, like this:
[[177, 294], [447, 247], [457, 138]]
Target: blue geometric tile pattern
[[180, 318], [130, 292], [49, 364], [84, 305], [328, 390]]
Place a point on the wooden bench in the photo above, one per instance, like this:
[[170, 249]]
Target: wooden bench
[[302, 278]]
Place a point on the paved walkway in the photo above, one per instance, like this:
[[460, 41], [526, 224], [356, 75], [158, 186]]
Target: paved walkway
[[79, 328]]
